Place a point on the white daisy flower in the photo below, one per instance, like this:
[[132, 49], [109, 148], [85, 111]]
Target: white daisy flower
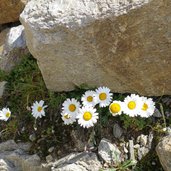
[[71, 106], [147, 108], [87, 116], [5, 114], [132, 105], [103, 96], [116, 108], [38, 109], [88, 98], [68, 118]]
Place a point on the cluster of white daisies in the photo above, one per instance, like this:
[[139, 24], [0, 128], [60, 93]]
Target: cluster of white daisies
[[87, 115]]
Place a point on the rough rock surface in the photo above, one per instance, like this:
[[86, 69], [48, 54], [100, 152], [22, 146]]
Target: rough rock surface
[[10, 10], [115, 43], [14, 157], [164, 152], [13, 49], [78, 162], [109, 152]]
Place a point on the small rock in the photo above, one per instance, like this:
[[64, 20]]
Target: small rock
[[142, 152], [150, 140], [168, 131], [131, 150], [15, 38], [123, 145], [157, 113], [143, 139], [32, 137], [78, 162], [164, 129], [13, 49], [136, 146], [109, 152], [2, 88], [50, 150], [125, 149], [49, 158], [117, 131], [5, 166], [153, 163]]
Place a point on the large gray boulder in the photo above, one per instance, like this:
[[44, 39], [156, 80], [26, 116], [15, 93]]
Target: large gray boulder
[[125, 45]]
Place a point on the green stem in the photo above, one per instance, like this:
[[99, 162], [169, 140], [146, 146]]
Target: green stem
[[162, 112]]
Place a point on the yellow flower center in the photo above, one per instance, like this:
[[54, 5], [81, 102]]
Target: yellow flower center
[[115, 107], [87, 116], [66, 116], [131, 105], [39, 109], [72, 107], [8, 114], [102, 96], [145, 107], [89, 98]]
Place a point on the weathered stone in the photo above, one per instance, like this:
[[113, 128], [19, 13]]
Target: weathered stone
[[78, 162], [49, 158], [32, 137], [10, 10], [51, 149], [13, 49], [168, 131], [109, 152], [5, 166], [163, 150], [142, 139], [150, 140], [117, 131], [14, 158], [142, 151], [131, 150], [157, 113], [114, 43]]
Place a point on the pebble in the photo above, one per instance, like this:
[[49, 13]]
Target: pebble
[[50, 150], [49, 158], [117, 131], [131, 150], [32, 137], [157, 113], [136, 146]]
